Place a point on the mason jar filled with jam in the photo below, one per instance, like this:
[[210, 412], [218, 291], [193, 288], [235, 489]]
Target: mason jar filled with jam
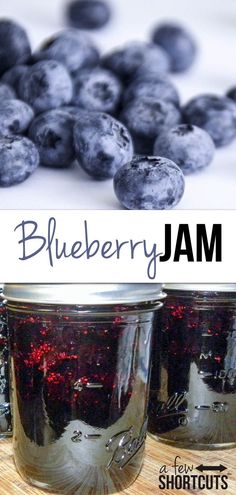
[[193, 384], [80, 361]]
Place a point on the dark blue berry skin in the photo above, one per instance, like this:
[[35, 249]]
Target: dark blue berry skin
[[149, 183], [232, 94], [190, 147], [75, 112], [148, 118], [52, 133], [72, 49], [16, 117], [159, 88], [13, 75], [215, 114], [19, 158], [102, 145], [149, 71], [88, 14], [14, 45], [126, 61], [46, 85], [6, 92], [178, 43], [98, 90]]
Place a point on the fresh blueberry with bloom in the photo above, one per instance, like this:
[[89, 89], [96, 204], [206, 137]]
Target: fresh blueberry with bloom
[[148, 118], [46, 85], [190, 147], [6, 92], [158, 87], [102, 145], [19, 158], [149, 183], [14, 45], [16, 117], [52, 133], [73, 111], [13, 75], [215, 114], [125, 61], [178, 43], [88, 14], [98, 90], [232, 94], [71, 48], [149, 71]]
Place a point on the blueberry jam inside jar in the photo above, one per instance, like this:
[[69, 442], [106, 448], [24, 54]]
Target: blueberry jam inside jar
[[80, 379], [193, 383]]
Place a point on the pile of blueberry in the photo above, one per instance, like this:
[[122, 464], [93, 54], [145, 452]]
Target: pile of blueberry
[[118, 115]]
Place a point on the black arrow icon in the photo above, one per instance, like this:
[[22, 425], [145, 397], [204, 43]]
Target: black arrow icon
[[202, 468]]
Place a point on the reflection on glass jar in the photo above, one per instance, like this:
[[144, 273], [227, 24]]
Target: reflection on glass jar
[[193, 384], [5, 413], [80, 384]]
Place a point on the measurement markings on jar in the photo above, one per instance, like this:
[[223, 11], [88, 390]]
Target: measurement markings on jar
[[205, 374], [180, 476], [78, 436], [92, 436], [216, 407], [79, 385]]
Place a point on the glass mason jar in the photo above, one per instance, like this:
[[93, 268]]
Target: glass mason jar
[[80, 359], [193, 384], [5, 413]]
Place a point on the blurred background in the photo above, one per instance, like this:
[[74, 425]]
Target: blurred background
[[212, 22]]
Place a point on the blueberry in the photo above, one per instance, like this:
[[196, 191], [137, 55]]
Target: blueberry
[[71, 48], [215, 114], [46, 85], [124, 62], [6, 92], [147, 70], [178, 43], [14, 45], [102, 145], [149, 183], [88, 14], [75, 112], [232, 94], [15, 117], [148, 118], [13, 75], [52, 132], [18, 160], [190, 147], [159, 88], [98, 89]]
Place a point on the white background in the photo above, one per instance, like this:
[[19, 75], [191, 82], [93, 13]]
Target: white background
[[214, 24]]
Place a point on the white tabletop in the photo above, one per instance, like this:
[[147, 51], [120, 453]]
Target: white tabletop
[[214, 24]]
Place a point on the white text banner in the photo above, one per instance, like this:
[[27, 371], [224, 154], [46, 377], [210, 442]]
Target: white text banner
[[117, 246]]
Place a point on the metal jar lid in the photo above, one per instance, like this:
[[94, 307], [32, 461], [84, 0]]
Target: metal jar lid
[[202, 287], [83, 294]]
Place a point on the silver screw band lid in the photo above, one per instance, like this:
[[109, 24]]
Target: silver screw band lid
[[83, 293], [201, 287]]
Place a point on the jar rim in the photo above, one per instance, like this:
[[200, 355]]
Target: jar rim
[[83, 294]]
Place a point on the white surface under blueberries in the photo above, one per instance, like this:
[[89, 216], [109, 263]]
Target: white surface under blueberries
[[213, 23]]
